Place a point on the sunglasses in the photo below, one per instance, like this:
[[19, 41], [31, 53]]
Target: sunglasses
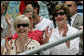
[[23, 25], [60, 13], [69, 5]]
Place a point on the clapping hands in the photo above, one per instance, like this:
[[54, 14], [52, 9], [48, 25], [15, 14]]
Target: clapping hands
[[47, 35]]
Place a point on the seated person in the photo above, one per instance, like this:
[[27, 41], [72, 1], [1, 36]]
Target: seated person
[[22, 26], [61, 14], [33, 33]]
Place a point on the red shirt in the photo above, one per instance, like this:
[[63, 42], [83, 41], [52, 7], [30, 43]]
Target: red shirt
[[35, 35]]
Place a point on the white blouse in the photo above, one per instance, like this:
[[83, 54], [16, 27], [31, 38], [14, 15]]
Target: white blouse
[[42, 25], [62, 49]]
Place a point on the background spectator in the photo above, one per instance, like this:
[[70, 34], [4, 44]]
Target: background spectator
[[22, 43], [76, 19]]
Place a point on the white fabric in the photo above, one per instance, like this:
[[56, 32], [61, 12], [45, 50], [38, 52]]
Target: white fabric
[[3, 42], [4, 25], [42, 25], [62, 49], [31, 44], [73, 18]]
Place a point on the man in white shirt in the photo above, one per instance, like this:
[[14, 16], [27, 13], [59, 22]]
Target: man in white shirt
[[76, 19], [40, 22]]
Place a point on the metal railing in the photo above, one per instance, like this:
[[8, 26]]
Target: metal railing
[[49, 45]]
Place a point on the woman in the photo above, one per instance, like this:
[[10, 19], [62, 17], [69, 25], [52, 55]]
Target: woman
[[61, 14], [33, 33], [22, 43]]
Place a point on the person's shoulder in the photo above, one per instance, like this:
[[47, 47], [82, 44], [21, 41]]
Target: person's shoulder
[[46, 19], [39, 32], [79, 15]]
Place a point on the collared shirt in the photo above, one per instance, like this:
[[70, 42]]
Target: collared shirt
[[42, 25], [73, 18], [62, 49]]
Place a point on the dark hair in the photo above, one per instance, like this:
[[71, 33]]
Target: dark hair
[[59, 7], [76, 2], [34, 5], [26, 3]]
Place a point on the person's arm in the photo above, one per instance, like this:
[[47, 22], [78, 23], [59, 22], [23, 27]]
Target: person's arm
[[8, 46], [2, 49], [65, 30], [8, 20]]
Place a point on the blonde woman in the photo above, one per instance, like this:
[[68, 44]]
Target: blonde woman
[[22, 43]]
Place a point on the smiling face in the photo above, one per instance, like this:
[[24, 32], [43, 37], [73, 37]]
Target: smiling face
[[22, 29], [60, 17], [22, 25]]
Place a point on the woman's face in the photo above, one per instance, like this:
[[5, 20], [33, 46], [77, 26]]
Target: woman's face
[[60, 17], [29, 6], [22, 29]]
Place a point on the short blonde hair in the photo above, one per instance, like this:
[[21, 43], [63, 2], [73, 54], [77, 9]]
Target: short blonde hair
[[21, 18]]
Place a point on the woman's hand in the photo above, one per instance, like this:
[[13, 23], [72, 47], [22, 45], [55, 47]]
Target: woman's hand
[[65, 29], [8, 46], [47, 35], [8, 19]]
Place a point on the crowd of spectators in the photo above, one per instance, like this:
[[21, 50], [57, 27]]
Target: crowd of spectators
[[42, 22]]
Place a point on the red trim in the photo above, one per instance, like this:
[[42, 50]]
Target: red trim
[[40, 20]]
